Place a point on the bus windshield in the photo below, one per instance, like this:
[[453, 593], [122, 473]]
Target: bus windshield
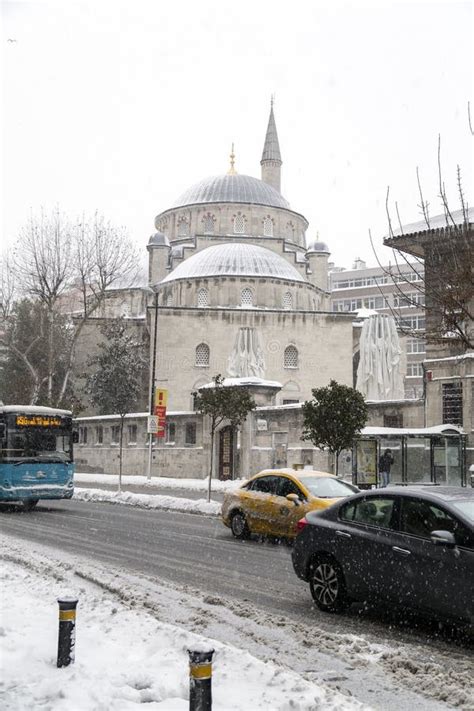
[[24, 444]]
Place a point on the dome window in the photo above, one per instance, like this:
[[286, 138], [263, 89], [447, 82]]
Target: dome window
[[239, 224], [246, 297], [268, 227], [202, 355], [169, 300], [287, 301], [208, 224], [183, 227], [203, 298], [290, 357]]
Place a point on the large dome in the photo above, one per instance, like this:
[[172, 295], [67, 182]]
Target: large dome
[[235, 259], [232, 188]]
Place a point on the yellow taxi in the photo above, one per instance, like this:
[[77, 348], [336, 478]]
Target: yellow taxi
[[272, 502]]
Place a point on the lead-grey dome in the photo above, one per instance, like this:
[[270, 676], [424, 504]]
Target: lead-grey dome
[[318, 246], [232, 188], [159, 240], [235, 259]]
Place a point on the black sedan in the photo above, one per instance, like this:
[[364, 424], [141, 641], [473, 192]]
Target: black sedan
[[410, 546]]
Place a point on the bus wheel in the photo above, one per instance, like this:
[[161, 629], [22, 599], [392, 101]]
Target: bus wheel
[[29, 504]]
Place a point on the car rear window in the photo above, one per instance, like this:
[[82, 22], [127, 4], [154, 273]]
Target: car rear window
[[376, 511], [328, 487]]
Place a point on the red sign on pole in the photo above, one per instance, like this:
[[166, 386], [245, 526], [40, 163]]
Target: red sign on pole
[[161, 400]]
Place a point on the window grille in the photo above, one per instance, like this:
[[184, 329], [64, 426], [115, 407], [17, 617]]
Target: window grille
[[169, 300], [170, 432], [393, 420], [452, 404], [268, 227], [290, 358], [115, 439], [99, 434], [287, 300], [202, 355], [203, 298], [208, 224], [239, 224], [183, 228], [190, 433], [132, 434], [83, 435], [246, 297]]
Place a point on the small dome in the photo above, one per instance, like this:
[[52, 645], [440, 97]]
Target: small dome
[[318, 247], [232, 188], [235, 259], [159, 240]]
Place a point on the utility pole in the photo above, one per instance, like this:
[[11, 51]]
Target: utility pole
[[152, 383]]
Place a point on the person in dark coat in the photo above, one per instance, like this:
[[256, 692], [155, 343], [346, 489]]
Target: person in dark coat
[[385, 464]]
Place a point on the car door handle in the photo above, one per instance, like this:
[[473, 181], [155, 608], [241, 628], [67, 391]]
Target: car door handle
[[402, 551], [343, 534]]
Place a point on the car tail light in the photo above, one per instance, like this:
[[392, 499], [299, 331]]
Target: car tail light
[[301, 524]]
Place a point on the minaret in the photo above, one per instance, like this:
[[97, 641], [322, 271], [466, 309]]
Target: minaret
[[271, 158]]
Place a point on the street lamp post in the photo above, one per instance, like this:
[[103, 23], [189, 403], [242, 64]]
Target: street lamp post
[[152, 383]]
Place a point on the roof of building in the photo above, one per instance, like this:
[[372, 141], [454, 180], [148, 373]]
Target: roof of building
[[232, 188], [159, 240], [235, 259], [455, 218], [318, 246]]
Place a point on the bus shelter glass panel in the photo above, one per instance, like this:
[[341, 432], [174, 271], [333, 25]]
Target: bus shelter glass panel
[[418, 465], [395, 445], [447, 461]]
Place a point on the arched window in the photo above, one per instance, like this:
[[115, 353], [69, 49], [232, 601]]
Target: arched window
[[246, 297], [290, 358], [208, 224], [169, 300], [202, 355], [203, 298], [183, 227], [239, 224], [287, 301], [268, 227]]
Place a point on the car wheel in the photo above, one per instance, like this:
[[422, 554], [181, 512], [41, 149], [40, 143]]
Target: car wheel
[[239, 526], [30, 504], [327, 585]]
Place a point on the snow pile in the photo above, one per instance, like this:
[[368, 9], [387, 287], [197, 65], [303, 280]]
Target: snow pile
[[162, 482], [125, 657], [150, 501]]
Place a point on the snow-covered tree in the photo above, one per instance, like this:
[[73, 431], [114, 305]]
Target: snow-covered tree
[[114, 385]]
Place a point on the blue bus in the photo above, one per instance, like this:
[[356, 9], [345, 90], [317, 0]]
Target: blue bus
[[36, 454]]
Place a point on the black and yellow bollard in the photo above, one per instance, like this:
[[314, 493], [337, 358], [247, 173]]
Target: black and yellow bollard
[[67, 630], [200, 680]]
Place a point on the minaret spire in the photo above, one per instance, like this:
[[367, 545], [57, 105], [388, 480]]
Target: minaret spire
[[271, 158]]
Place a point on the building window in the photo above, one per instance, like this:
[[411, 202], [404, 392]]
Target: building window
[[170, 433], [115, 438], [183, 227], [268, 227], [99, 434], [203, 298], [190, 433], [239, 224], [132, 434], [290, 358], [414, 370], [202, 355], [208, 224], [416, 345], [290, 402], [414, 323], [169, 300], [402, 301], [452, 404], [393, 420], [246, 297], [83, 435], [287, 300]]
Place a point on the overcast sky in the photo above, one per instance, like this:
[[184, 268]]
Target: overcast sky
[[120, 106]]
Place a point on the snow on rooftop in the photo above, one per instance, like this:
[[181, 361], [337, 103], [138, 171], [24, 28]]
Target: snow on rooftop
[[435, 223], [397, 431], [35, 410], [245, 381]]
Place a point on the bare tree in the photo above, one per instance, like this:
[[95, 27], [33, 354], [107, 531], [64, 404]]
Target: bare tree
[[66, 267], [434, 272]]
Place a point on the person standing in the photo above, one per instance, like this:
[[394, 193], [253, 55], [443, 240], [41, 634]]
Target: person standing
[[385, 464]]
